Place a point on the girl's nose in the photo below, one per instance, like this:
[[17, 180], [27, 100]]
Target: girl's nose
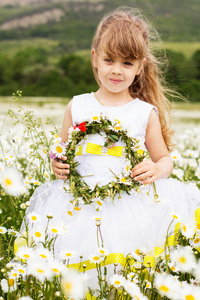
[[116, 68]]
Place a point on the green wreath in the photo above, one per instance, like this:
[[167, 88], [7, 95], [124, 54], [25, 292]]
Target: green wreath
[[113, 132]]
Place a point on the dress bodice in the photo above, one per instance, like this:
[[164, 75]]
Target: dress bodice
[[99, 166]]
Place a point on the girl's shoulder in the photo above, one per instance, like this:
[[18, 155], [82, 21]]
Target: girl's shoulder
[[80, 106], [82, 97], [145, 106]]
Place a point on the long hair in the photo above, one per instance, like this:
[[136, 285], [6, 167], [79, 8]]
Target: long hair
[[124, 33]]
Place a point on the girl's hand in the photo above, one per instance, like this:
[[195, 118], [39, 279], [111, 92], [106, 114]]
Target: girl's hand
[[60, 169], [146, 172]]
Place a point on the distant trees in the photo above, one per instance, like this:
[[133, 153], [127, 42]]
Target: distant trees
[[33, 72]]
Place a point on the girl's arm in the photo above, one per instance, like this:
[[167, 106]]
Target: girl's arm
[[161, 164], [61, 169]]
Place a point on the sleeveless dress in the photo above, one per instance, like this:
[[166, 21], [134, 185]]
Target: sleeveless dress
[[133, 222]]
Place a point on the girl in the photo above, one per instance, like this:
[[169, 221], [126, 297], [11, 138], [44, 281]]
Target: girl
[[129, 92]]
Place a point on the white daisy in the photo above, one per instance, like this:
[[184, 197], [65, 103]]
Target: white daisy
[[42, 152], [188, 228], [57, 228], [3, 230], [95, 258], [67, 254], [25, 253], [39, 269], [123, 179], [196, 271], [11, 181], [34, 217], [131, 288], [56, 267], [58, 149], [37, 233], [102, 251], [132, 277], [189, 292], [9, 285], [178, 172], [117, 280], [20, 269], [44, 253], [195, 242], [72, 285], [165, 284], [184, 259]]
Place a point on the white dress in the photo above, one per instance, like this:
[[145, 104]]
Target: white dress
[[133, 222]]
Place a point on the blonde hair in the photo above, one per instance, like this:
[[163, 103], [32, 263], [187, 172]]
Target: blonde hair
[[124, 33]]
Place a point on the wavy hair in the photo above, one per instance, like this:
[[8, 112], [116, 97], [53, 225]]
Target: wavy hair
[[124, 33]]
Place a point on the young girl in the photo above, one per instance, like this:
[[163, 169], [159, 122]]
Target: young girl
[[130, 92]]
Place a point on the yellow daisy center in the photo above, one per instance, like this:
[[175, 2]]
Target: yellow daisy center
[[95, 118], [34, 218], [189, 297], [117, 282], [59, 149], [123, 180], [174, 216], [102, 251], [96, 258], [68, 254], [54, 230], [11, 282], [77, 208], [38, 234], [184, 228], [196, 241], [45, 152], [14, 274], [67, 287], [1, 230], [43, 255], [164, 288], [182, 259], [8, 182], [26, 256], [21, 270], [99, 203], [140, 151], [40, 271], [55, 270], [70, 213]]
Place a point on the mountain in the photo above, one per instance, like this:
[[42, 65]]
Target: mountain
[[74, 22]]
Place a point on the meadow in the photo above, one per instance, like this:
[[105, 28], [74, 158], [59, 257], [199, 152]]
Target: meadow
[[28, 129]]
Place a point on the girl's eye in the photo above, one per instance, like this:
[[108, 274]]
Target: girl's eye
[[128, 63], [108, 60]]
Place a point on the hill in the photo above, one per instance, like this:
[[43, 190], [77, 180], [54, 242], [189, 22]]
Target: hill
[[74, 22]]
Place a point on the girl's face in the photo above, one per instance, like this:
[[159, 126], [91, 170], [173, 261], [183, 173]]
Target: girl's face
[[115, 75]]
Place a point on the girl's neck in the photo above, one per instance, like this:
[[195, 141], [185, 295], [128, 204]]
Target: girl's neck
[[113, 99]]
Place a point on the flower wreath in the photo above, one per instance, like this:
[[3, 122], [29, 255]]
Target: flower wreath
[[113, 132]]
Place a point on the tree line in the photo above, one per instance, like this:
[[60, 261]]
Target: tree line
[[32, 71]]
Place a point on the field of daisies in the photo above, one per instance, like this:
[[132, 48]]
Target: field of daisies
[[29, 269]]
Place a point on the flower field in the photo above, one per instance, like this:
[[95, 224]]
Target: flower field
[[33, 272]]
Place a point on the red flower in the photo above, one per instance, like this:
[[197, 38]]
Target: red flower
[[81, 126]]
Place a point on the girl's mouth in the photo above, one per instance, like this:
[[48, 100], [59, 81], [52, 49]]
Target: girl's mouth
[[115, 81]]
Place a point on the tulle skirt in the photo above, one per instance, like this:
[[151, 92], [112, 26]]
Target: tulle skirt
[[132, 222]]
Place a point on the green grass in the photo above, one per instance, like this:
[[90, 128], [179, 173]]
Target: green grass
[[11, 47], [189, 106], [34, 100]]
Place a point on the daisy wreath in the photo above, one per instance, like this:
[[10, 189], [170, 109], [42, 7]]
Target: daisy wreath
[[113, 132]]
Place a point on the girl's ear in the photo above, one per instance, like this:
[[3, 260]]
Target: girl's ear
[[141, 66], [93, 55]]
